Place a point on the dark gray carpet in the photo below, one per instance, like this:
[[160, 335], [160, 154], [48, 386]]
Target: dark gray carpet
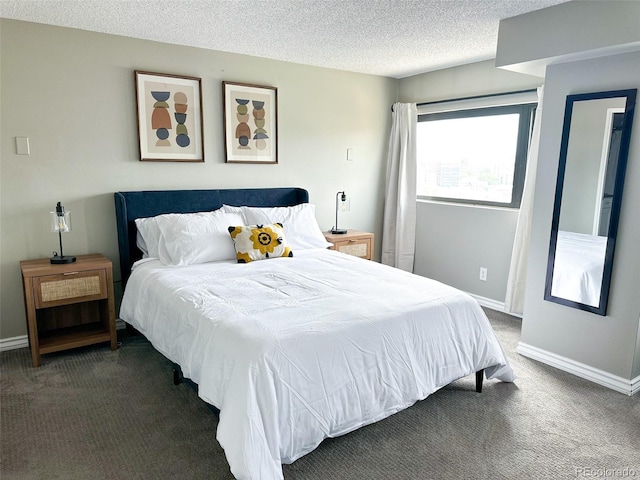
[[94, 413]]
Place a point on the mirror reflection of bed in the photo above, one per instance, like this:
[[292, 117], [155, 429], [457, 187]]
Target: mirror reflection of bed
[[579, 267], [588, 191]]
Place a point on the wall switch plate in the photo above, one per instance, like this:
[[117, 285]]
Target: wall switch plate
[[350, 154], [483, 274], [22, 146]]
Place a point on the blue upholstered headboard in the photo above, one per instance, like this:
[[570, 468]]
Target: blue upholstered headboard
[[132, 205]]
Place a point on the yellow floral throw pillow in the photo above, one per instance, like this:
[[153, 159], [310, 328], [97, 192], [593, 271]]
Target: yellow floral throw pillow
[[257, 242]]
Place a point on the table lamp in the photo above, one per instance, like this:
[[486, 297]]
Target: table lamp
[[340, 197], [61, 222]]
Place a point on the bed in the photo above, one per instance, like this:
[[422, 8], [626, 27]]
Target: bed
[[294, 349], [578, 267]]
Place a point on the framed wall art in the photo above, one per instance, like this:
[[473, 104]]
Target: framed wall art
[[169, 117], [250, 123]]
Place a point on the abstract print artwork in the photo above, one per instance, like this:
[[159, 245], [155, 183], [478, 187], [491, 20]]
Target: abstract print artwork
[[169, 117], [250, 123]]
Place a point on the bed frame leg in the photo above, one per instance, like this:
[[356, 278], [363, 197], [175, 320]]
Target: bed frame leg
[[177, 379], [479, 378]]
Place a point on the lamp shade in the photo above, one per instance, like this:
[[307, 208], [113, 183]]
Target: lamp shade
[[61, 223], [340, 197]]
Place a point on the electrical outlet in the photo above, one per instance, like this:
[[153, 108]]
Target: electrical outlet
[[483, 274]]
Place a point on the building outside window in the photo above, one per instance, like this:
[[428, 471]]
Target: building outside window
[[474, 156]]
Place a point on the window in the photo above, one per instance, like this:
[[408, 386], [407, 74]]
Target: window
[[475, 156]]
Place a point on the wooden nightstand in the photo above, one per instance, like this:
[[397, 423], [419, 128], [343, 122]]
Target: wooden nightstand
[[69, 305], [359, 244]]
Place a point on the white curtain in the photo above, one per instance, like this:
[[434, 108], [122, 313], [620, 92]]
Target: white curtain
[[399, 228], [514, 301]]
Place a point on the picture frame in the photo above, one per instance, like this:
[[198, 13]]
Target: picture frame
[[169, 112], [250, 123]]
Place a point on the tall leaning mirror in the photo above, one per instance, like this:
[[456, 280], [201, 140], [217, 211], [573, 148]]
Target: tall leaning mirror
[[593, 159]]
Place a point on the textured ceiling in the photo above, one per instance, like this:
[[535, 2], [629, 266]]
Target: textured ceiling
[[394, 38]]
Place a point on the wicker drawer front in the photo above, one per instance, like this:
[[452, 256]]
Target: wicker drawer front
[[356, 249], [70, 288]]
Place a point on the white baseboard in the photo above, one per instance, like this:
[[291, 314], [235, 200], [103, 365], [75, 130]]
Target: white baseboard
[[22, 341], [493, 304], [606, 379], [14, 343], [488, 302], [619, 384]]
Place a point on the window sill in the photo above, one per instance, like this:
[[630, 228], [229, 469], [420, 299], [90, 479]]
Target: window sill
[[467, 205]]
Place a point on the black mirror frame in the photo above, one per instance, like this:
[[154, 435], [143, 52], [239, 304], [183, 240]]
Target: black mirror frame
[[630, 95]]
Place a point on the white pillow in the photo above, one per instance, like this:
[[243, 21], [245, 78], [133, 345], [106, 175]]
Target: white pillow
[[232, 209], [148, 236], [190, 238], [300, 225]]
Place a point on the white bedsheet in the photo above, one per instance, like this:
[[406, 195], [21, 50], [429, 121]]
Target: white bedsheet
[[578, 267], [294, 350]]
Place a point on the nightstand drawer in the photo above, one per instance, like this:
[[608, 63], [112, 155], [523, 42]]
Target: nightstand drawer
[[71, 287], [357, 248], [354, 242]]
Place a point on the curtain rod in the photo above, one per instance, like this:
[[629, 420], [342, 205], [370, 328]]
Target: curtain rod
[[435, 102], [476, 97]]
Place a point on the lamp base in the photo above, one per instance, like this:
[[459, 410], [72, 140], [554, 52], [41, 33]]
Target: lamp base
[[57, 259], [338, 231]]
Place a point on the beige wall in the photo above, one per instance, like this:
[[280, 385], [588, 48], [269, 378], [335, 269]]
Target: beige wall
[[454, 241], [582, 47], [569, 31], [582, 170], [605, 343], [473, 79], [72, 93]]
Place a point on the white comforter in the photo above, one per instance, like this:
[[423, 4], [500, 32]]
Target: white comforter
[[579, 266], [294, 350]]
